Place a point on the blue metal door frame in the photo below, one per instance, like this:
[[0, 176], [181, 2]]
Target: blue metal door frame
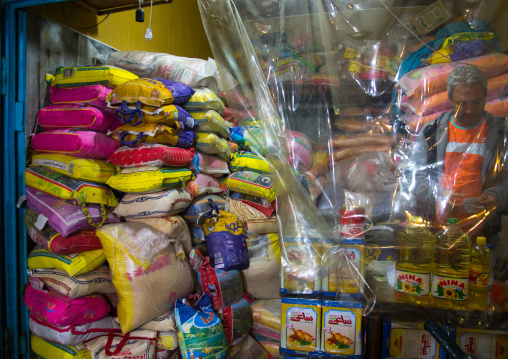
[[14, 333]]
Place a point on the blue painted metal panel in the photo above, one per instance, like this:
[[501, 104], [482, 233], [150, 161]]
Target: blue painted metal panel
[[24, 332], [14, 333], [3, 91], [10, 212]]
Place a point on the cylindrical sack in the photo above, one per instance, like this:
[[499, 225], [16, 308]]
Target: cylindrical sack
[[110, 76], [149, 271], [47, 349], [94, 95], [156, 204], [137, 344], [153, 92], [61, 186], [204, 184], [140, 114], [54, 242], [84, 169], [251, 183], [151, 154], [210, 165], [144, 179], [95, 281], [58, 309], [87, 144], [225, 287], [72, 334], [225, 240], [77, 116], [73, 264], [64, 216]]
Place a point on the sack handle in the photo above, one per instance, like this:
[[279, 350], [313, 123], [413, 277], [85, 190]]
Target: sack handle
[[214, 211], [132, 143], [119, 347], [124, 111], [89, 217]]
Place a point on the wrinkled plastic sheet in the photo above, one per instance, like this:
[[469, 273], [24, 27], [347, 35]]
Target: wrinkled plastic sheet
[[341, 91]]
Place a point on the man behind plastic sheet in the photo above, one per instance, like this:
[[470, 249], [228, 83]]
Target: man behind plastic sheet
[[459, 159]]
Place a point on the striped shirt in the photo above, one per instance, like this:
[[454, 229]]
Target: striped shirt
[[463, 160]]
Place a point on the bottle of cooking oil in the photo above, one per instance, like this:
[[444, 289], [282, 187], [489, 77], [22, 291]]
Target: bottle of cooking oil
[[415, 252], [479, 275], [450, 270]]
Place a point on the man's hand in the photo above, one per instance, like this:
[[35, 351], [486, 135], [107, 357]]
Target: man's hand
[[488, 201]]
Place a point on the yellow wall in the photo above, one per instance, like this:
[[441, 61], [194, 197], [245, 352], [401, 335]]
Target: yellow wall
[[177, 27]]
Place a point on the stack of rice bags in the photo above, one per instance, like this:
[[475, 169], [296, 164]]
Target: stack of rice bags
[[157, 144], [67, 200], [213, 153], [251, 199]]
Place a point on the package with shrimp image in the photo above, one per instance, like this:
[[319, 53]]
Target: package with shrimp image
[[301, 324], [342, 328]]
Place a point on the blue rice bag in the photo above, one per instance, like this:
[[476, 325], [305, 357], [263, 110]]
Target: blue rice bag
[[200, 331]]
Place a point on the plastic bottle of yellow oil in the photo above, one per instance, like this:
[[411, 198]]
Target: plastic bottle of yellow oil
[[450, 270], [415, 252], [479, 275]]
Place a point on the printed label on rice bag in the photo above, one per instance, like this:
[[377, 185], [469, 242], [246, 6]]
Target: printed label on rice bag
[[260, 179], [449, 288], [412, 283], [50, 163]]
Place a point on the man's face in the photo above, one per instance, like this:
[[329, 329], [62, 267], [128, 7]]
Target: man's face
[[468, 104]]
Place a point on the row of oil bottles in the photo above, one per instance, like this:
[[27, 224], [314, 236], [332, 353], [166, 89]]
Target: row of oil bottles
[[443, 270]]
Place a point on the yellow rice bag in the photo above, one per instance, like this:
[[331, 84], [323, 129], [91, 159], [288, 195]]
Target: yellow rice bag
[[248, 161], [154, 133], [212, 144], [78, 168], [59, 185], [74, 264], [143, 179], [90, 75], [153, 92], [148, 270], [252, 183], [204, 99], [211, 121], [46, 349]]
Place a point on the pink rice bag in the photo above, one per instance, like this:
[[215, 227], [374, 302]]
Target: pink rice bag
[[94, 95], [87, 144], [77, 116], [204, 184], [210, 165], [58, 309]]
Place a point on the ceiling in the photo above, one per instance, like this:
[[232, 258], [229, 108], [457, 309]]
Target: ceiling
[[103, 7]]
